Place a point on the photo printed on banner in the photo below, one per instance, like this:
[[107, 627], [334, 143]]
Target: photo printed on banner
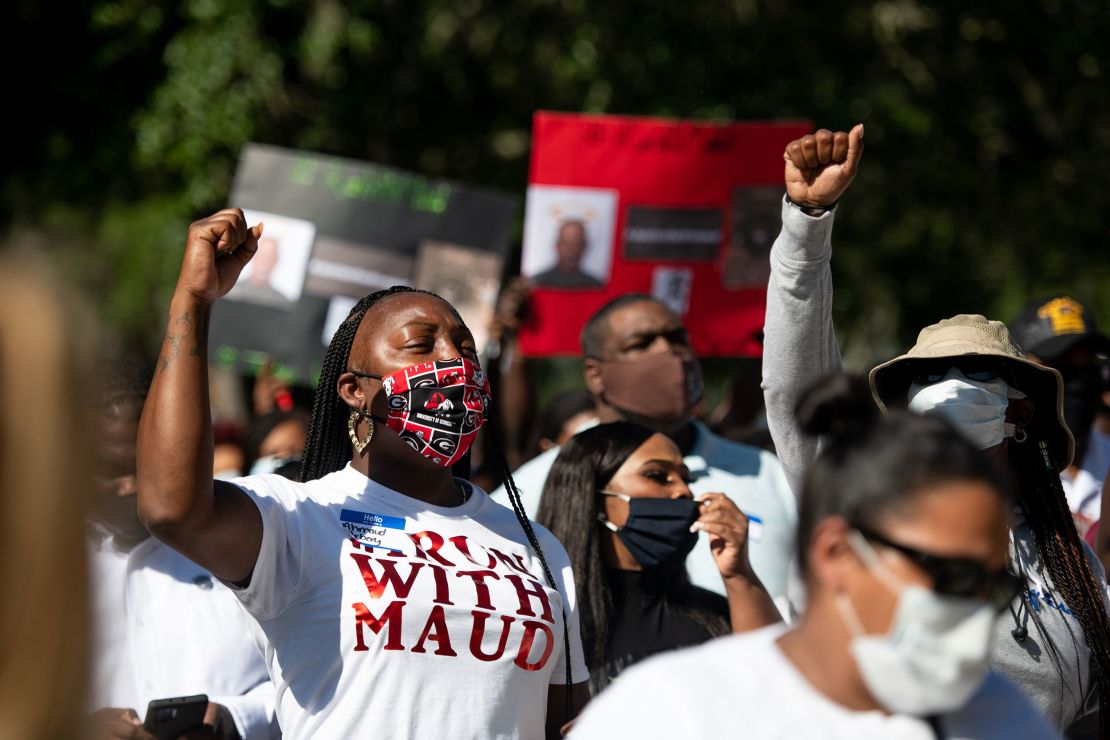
[[568, 237], [468, 279]]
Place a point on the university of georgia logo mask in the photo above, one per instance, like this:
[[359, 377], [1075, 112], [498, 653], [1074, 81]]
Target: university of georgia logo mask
[[438, 407]]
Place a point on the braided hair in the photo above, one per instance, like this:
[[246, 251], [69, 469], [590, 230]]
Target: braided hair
[[1049, 517], [328, 449]]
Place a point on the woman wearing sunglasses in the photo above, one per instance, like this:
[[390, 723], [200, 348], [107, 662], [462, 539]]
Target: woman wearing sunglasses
[[902, 538], [1054, 640]]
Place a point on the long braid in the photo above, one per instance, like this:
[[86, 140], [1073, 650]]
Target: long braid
[[1060, 549], [530, 533], [327, 448]]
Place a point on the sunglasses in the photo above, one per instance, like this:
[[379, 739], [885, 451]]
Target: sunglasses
[[979, 369], [955, 576]]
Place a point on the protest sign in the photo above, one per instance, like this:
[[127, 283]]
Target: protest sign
[[337, 229], [684, 211]]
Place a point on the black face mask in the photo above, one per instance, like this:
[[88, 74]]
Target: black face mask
[[657, 531], [1082, 400]]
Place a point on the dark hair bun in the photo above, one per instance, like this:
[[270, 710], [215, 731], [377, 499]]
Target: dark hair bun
[[837, 405]]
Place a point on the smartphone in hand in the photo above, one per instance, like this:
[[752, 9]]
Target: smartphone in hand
[[169, 719]]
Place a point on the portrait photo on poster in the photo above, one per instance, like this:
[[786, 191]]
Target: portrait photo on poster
[[756, 215], [568, 237], [275, 276], [469, 279]]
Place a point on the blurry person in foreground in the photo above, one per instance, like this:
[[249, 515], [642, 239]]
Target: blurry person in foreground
[[44, 486], [903, 538]]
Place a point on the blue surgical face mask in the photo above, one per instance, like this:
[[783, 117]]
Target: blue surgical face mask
[[657, 531]]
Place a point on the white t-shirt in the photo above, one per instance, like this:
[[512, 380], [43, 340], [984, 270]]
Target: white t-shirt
[[744, 686], [1084, 491], [383, 616], [164, 627]]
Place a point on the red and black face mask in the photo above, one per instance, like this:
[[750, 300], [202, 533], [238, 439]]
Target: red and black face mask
[[438, 407]]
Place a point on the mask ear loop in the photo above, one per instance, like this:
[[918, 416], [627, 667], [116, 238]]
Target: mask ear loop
[[602, 518], [874, 561]]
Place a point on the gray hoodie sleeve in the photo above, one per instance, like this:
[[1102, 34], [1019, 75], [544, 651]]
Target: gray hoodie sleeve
[[799, 344]]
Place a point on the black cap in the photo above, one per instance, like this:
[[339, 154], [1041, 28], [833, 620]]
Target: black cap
[[1051, 326]]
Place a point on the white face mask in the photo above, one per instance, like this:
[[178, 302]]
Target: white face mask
[[934, 656], [977, 409], [271, 464]]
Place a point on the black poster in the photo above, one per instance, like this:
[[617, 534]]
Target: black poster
[[337, 229]]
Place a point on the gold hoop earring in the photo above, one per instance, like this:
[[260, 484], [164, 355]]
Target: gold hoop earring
[[352, 421]]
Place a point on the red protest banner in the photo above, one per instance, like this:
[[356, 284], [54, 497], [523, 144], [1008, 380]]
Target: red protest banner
[[685, 211]]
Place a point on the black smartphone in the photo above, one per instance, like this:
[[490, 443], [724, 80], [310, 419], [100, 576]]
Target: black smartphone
[[169, 719]]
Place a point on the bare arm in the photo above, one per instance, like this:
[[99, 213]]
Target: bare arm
[[214, 524], [560, 718]]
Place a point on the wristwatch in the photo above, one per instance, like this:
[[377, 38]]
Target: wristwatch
[[813, 210]]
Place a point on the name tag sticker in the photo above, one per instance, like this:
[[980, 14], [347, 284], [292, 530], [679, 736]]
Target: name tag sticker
[[755, 528], [375, 530]]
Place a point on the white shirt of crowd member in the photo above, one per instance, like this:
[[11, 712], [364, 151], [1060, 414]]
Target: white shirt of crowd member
[[640, 367], [163, 627]]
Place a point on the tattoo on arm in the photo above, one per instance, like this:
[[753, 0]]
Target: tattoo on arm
[[183, 329]]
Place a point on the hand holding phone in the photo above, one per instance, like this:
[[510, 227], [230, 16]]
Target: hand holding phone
[[169, 719]]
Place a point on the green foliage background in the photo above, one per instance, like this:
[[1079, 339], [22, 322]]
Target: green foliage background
[[984, 181]]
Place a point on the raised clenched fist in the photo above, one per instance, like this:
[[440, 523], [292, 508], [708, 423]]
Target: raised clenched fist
[[821, 166], [217, 249]]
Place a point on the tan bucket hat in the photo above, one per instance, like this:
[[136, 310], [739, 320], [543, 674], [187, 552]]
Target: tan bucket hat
[[972, 334]]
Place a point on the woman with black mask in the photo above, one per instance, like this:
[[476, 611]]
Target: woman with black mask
[[618, 497]]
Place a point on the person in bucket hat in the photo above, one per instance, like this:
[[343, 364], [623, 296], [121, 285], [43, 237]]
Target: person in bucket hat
[[978, 342], [1054, 638], [1058, 331]]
